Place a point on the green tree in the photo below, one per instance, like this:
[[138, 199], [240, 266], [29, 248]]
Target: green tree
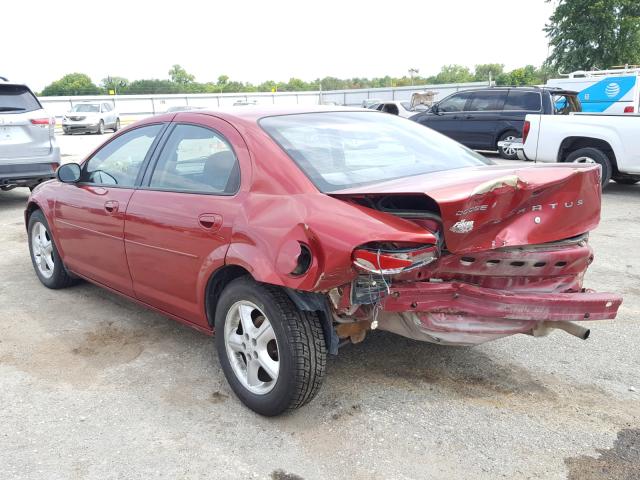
[[587, 34], [146, 86], [180, 75], [71, 84], [453, 74], [488, 70], [118, 84]]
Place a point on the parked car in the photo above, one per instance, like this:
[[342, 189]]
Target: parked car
[[610, 141], [183, 108], [481, 118], [93, 117], [29, 153], [370, 101], [402, 109], [286, 230]]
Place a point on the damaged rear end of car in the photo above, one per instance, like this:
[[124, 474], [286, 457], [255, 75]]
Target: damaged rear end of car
[[417, 235], [508, 255]]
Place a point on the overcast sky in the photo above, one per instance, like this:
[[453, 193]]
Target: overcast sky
[[265, 40]]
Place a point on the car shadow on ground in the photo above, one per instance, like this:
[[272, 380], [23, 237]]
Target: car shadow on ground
[[14, 198]]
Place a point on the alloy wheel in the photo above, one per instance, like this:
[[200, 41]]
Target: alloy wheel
[[584, 160], [509, 151], [42, 248], [252, 347]]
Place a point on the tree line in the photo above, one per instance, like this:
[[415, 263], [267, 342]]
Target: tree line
[[180, 81], [583, 35]]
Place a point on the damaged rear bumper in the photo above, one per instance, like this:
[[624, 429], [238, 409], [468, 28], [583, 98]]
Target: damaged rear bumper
[[463, 314]]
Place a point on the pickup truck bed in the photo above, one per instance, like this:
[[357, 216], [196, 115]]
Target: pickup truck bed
[[612, 141]]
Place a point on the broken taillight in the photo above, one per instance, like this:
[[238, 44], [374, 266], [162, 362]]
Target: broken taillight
[[390, 259]]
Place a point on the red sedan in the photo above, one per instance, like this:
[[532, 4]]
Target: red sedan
[[290, 231]]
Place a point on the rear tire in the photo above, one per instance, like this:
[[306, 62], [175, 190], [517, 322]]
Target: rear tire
[[44, 254], [593, 155], [296, 348], [116, 126], [511, 153]]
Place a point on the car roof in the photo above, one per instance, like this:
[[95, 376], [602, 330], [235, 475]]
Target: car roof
[[526, 88], [255, 113]]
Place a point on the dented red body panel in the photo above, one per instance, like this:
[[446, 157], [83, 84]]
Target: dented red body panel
[[504, 262]]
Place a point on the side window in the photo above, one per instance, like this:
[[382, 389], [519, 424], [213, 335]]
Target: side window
[[198, 160], [455, 103], [106, 107], [119, 161], [487, 100], [523, 101]]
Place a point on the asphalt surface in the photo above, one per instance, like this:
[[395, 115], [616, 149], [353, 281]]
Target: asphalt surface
[[96, 387]]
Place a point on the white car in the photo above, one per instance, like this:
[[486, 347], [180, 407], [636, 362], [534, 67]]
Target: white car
[[403, 109], [612, 141], [93, 117]]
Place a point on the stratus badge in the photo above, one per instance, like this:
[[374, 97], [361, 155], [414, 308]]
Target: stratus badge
[[463, 226]]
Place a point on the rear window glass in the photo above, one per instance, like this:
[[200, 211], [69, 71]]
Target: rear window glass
[[339, 150], [523, 101], [16, 99]]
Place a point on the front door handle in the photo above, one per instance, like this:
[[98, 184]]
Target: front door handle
[[468, 117], [111, 206], [211, 222]]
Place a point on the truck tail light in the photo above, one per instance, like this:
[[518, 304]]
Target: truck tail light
[[525, 130], [393, 258], [629, 109]]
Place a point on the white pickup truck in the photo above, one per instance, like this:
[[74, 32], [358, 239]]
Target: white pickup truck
[[612, 141]]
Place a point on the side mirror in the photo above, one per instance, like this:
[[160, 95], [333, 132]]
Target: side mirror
[[434, 109], [69, 173]]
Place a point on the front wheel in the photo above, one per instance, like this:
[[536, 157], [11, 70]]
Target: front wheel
[[100, 130], [272, 354], [44, 254], [593, 156]]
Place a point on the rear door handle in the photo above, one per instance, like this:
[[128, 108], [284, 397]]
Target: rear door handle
[[111, 206], [468, 117], [211, 222]]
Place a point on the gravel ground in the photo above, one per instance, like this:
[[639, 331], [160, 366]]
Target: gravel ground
[[95, 387]]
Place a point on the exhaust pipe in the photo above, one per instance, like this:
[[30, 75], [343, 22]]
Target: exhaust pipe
[[569, 327], [572, 328]]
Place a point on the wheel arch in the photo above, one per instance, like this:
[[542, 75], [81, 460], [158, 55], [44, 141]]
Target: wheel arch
[[216, 284], [304, 301], [31, 207], [571, 144]]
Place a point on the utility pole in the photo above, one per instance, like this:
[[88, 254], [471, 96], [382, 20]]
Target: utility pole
[[412, 72]]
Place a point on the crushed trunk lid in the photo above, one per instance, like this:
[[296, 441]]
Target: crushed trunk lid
[[496, 206]]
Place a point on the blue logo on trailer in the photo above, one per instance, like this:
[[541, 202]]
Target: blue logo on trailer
[[600, 96]]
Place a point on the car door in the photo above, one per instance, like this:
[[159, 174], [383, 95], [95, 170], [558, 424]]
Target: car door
[[448, 117], [179, 222], [107, 115], [482, 118], [89, 215]]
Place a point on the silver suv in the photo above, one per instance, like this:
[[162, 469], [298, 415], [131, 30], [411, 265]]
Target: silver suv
[[90, 117], [29, 153]]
